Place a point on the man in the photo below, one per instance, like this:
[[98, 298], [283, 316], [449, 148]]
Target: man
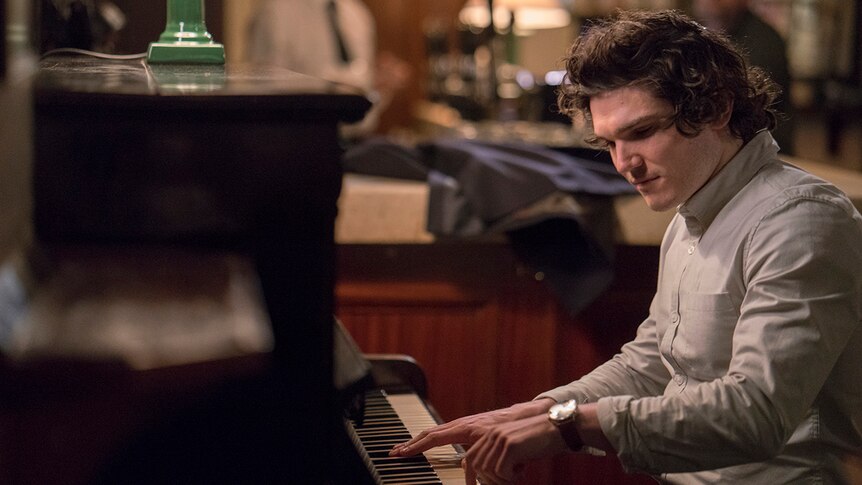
[[762, 45], [334, 40], [330, 39], [748, 367]]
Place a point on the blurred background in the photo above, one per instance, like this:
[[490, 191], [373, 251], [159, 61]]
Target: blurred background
[[447, 47]]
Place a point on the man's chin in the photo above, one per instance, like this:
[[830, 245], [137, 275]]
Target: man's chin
[[658, 205]]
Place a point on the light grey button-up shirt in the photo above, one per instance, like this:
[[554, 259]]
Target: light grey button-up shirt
[[749, 366]]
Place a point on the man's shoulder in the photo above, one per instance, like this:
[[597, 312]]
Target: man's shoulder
[[790, 179], [779, 185]]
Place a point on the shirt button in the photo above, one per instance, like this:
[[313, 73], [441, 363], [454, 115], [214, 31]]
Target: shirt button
[[674, 317], [679, 379], [691, 249]]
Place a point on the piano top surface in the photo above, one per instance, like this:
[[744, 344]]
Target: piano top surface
[[75, 80]]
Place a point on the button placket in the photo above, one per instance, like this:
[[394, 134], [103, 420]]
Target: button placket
[[679, 378]]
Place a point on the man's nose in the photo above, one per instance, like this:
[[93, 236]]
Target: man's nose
[[624, 157]]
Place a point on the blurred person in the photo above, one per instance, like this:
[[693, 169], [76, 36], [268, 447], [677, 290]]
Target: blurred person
[[329, 39], [762, 45], [747, 368]]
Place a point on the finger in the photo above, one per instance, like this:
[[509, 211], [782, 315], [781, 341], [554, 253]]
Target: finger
[[465, 430], [401, 446], [437, 436], [481, 457], [503, 468], [494, 458], [474, 457], [469, 473], [420, 437]]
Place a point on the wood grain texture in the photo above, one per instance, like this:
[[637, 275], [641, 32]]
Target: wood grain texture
[[486, 332]]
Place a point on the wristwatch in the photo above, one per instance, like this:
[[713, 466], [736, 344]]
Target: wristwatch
[[563, 415]]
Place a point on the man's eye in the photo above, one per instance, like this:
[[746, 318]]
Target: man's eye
[[644, 132]]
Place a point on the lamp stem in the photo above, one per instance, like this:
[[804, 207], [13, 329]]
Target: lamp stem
[[185, 22], [184, 9], [185, 39]]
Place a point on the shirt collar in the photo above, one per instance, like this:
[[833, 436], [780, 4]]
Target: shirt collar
[[702, 207]]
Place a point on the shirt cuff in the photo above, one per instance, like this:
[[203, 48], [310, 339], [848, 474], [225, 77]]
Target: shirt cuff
[[615, 420]]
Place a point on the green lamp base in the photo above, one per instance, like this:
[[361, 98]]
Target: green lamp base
[[185, 53], [185, 39]]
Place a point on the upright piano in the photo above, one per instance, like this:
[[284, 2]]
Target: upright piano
[[235, 159], [141, 161]]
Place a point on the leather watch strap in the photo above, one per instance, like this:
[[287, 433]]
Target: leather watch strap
[[569, 431]]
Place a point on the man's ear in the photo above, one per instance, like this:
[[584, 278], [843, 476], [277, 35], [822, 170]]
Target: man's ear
[[724, 119]]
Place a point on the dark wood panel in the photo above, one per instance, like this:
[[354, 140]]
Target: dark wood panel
[[486, 333], [529, 330], [461, 374]]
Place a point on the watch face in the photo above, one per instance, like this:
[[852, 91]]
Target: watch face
[[562, 415], [563, 411]]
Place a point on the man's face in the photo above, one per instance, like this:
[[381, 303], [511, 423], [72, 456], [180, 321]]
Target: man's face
[[666, 167]]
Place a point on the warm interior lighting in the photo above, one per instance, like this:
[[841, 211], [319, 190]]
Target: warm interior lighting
[[529, 15]]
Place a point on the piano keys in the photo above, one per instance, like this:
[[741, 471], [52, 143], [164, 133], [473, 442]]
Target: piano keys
[[390, 419]]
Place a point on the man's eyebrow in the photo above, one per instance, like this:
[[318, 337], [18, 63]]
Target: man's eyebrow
[[639, 121], [644, 119]]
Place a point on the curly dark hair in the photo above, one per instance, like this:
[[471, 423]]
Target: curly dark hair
[[697, 70]]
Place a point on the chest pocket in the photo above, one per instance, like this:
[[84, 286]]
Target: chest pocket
[[704, 338]]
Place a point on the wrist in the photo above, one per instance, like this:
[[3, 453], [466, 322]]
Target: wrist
[[564, 416], [531, 408], [542, 404], [591, 429]]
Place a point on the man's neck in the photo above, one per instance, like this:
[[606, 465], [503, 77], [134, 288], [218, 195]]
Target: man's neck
[[730, 146]]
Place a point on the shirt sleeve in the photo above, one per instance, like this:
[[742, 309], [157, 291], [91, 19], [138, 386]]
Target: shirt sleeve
[[801, 268]]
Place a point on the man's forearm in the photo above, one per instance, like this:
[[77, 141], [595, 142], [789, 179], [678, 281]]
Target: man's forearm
[[590, 428]]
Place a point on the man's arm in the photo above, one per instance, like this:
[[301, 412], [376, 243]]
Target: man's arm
[[502, 441], [469, 429], [637, 371], [801, 273]]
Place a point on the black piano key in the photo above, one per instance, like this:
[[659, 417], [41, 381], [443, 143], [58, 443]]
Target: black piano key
[[379, 431]]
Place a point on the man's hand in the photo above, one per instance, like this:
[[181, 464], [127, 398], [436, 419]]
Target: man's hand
[[469, 429], [500, 455], [487, 433]]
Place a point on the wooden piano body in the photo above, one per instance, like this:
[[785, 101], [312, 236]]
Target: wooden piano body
[[132, 159]]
